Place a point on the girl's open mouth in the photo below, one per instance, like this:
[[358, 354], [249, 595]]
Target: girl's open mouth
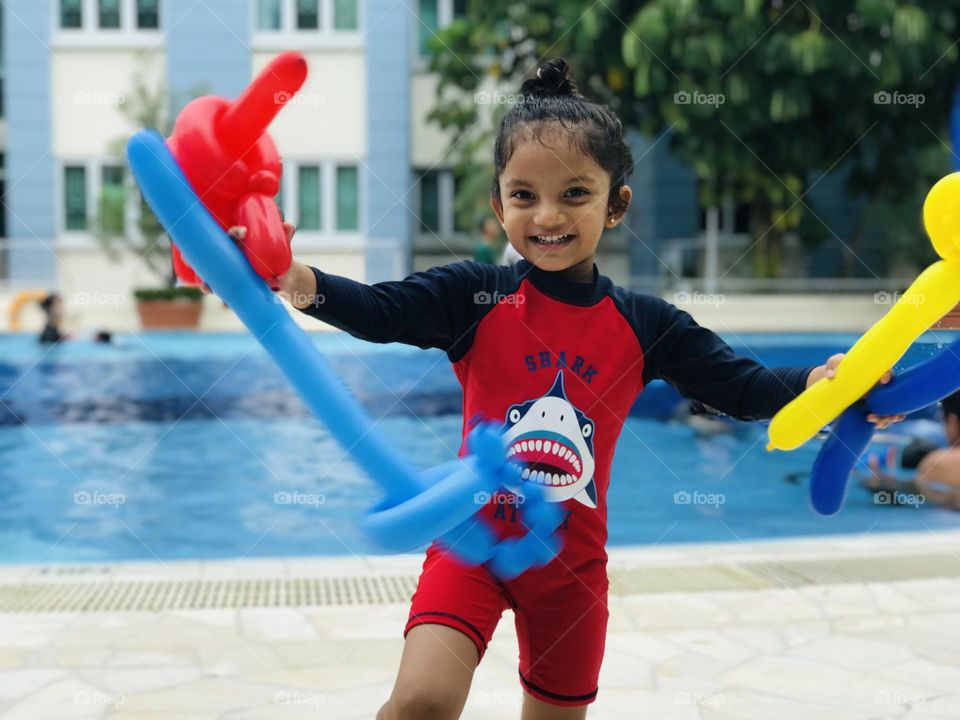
[[549, 241]]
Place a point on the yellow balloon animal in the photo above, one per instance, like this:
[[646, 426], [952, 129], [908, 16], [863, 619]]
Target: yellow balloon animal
[[934, 293]]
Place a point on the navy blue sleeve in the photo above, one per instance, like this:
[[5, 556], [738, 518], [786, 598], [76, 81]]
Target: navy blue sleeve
[[703, 367], [432, 309]]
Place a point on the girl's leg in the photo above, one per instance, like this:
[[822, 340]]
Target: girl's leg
[[534, 709], [434, 677]]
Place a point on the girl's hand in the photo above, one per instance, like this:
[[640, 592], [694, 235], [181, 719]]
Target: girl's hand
[[238, 233], [829, 370]]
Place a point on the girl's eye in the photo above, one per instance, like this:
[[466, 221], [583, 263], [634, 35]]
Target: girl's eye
[[522, 195], [578, 192]]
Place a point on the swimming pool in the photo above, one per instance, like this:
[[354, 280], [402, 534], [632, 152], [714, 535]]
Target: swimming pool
[[183, 445]]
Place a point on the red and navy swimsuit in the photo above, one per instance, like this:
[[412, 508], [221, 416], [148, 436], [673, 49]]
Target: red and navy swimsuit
[[558, 364]]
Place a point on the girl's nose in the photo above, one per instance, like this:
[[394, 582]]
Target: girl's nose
[[549, 216]]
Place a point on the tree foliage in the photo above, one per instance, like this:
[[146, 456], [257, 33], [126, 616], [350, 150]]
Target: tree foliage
[[760, 98]]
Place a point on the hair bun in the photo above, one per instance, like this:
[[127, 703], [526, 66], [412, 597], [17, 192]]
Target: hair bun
[[554, 79]]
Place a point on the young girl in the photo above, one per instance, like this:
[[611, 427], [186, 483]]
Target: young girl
[[557, 353]]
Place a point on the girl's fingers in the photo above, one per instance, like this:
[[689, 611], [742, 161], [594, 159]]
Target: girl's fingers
[[289, 228]]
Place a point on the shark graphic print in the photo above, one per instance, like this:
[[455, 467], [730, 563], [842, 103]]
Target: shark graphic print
[[553, 441]]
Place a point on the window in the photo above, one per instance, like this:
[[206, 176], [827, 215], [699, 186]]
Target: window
[[308, 197], [308, 14], [278, 198], [71, 15], [112, 199], [268, 14], [75, 197], [429, 23], [430, 201], [121, 18], [109, 14], [461, 220], [345, 15], [348, 210], [438, 215], [148, 14], [435, 15], [322, 197], [318, 16]]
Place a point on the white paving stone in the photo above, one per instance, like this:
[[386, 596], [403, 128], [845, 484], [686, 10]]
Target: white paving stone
[[857, 651]]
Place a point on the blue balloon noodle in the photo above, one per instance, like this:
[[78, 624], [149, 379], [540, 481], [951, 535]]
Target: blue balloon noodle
[[400, 518], [226, 271], [914, 389]]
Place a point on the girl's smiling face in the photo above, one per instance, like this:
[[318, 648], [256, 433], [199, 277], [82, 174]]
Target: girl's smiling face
[[553, 203]]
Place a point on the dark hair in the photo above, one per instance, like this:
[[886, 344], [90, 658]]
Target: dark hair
[[915, 451], [553, 98], [951, 405], [47, 303]]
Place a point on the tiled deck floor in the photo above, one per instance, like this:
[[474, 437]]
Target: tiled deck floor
[[855, 651]]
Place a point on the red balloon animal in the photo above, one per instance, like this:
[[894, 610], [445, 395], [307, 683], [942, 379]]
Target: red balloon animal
[[233, 166]]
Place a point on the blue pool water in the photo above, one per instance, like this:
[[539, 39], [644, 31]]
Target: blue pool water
[[181, 445]]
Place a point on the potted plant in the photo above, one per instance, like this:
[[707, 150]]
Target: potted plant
[[164, 305]]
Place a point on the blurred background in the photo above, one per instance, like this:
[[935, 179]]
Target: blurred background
[[781, 147]]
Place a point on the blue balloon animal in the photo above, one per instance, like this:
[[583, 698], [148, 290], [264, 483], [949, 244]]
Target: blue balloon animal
[[912, 390], [417, 508]]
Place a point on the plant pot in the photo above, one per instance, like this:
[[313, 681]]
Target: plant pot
[[169, 314], [950, 321]]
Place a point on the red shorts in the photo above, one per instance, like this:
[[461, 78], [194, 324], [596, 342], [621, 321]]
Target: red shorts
[[561, 619]]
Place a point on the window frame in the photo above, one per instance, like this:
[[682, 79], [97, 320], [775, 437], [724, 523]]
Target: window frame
[[446, 208], [90, 34], [289, 35], [93, 171], [445, 16], [327, 237]]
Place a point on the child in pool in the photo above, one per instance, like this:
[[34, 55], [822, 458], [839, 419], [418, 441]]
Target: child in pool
[[557, 354], [53, 310]]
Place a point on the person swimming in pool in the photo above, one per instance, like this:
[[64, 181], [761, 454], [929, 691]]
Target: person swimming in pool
[[53, 308], [936, 475]]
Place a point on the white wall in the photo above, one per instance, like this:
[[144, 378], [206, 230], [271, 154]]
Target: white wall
[[86, 88], [328, 117]]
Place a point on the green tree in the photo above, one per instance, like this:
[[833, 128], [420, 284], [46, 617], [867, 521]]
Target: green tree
[[145, 107], [758, 97]]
